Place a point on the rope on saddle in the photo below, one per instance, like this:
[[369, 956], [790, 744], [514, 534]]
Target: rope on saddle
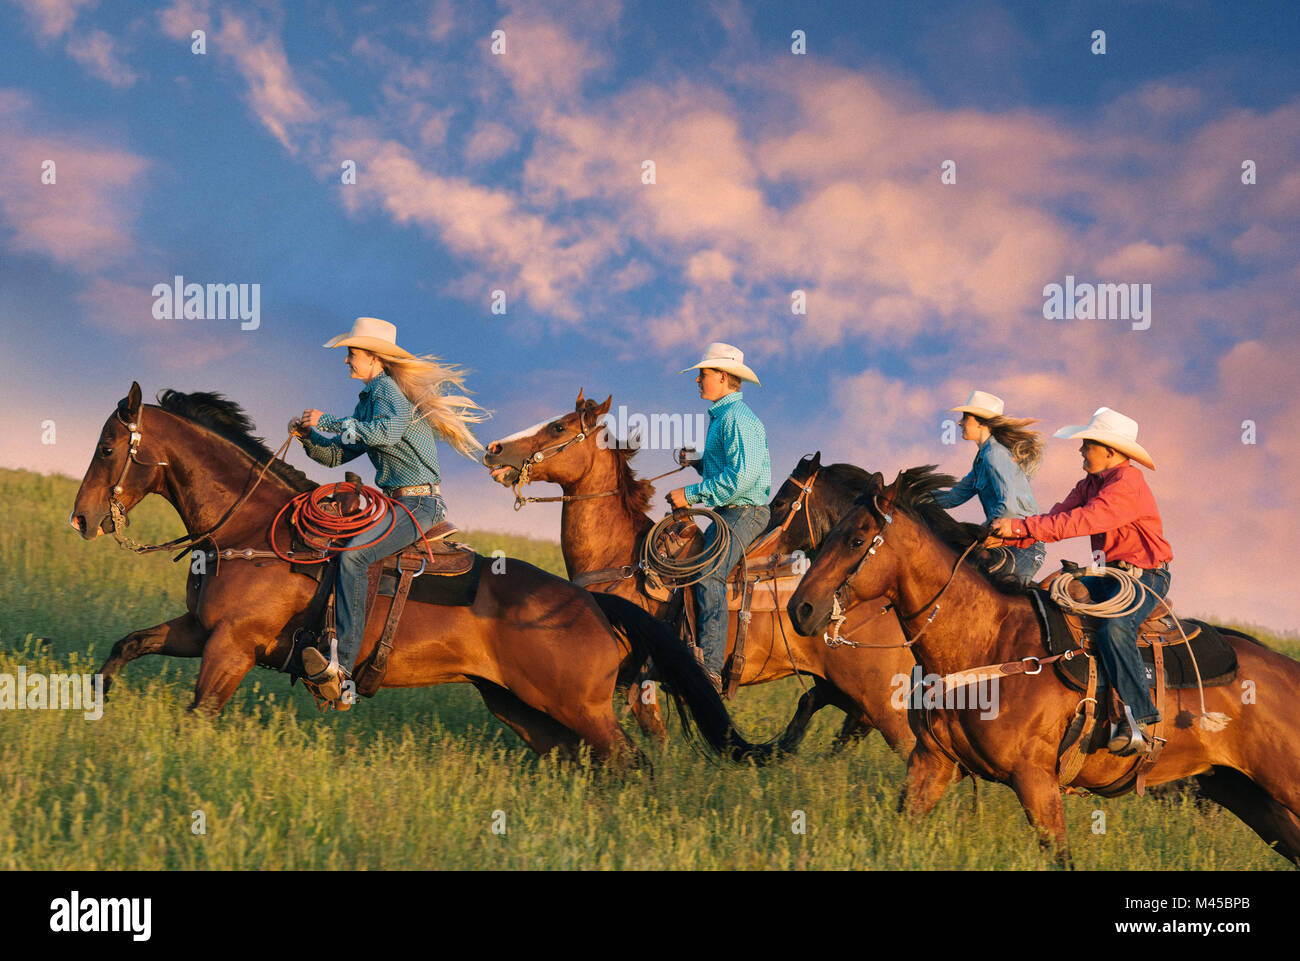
[[674, 573], [316, 523], [1127, 601]]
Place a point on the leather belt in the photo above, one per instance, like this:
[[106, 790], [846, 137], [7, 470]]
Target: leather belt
[[1133, 568], [415, 490]]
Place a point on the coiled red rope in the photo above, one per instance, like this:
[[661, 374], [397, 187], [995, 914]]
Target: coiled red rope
[[313, 521]]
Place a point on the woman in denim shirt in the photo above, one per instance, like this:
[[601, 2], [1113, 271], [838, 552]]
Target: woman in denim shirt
[[1008, 456], [404, 403]]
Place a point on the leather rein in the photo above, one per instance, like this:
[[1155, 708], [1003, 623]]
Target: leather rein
[[118, 511], [838, 608]]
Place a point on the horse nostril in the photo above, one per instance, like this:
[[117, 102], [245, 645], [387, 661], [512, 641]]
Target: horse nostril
[[494, 448], [803, 611]]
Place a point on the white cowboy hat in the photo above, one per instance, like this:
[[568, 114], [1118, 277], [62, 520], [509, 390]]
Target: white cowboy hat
[[372, 334], [982, 405], [728, 358], [1113, 429]]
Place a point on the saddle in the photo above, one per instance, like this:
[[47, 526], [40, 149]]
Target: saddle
[[455, 570], [1214, 658], [1175, 653]]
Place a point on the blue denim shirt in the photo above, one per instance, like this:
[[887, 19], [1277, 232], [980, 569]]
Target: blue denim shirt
[[399, 444], [1002, 486], [736, 466]]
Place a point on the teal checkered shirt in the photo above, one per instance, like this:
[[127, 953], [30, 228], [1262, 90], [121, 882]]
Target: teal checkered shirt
[[383, 425], [736, 467]]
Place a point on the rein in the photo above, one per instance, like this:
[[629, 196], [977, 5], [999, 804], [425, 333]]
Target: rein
[[118, 512], [838, 615]]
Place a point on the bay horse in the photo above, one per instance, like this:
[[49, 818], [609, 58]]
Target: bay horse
[[541, 652], [604, 518], [895, 541]]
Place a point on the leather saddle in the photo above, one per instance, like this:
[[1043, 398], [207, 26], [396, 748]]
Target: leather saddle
[[1210, 657], [456, 566]]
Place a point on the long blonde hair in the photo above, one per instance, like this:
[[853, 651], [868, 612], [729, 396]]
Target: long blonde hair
[[426, 382], [1026, 446]]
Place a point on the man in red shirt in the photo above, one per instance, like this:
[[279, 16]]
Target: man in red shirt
[[1114, 505]]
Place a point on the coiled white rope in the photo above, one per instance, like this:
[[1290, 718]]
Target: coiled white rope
[[1126, 601]]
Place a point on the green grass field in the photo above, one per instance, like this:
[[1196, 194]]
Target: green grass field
[[420, 778]]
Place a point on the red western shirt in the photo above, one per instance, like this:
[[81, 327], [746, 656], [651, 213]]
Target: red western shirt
[[1117, 508]]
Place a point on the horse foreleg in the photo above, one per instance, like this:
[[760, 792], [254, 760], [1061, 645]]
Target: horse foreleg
[[228, 655], [1040, 796], [182, 636], [929, 772], [643, 699]]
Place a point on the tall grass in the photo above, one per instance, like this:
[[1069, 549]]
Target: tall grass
[[415, 778]]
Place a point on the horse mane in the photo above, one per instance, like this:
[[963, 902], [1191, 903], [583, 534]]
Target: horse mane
[[849, 476], [916, 487], [226, 418], [634, 491]]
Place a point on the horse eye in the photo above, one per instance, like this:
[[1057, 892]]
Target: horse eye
[[557, 427], [106, 452], [856, 543]]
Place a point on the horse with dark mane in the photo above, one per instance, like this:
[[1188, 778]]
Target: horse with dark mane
[[895, 541], [542, 653], [602, 524]]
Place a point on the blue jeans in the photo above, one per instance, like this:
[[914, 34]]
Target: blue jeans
[[1028, 560], [1117, 641], [350, 599], [746, 523]]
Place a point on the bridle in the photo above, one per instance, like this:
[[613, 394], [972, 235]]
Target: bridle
[[115, 507], [544, 453], [118, 512], [838, 608]]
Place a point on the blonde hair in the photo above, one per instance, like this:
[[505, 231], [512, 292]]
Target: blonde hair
[[1026, 446], [426, 382]]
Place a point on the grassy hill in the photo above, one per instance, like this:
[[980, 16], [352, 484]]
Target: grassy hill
[[411, 779]]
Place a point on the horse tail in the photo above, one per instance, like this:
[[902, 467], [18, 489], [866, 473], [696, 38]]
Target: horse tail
[[690, 688]]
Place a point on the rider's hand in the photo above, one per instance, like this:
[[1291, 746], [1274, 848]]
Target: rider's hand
[[296, 427], [677, 498], [1005, 527], [311, 417]]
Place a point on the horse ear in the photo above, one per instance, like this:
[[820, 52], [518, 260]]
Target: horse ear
[[604, 408], [131, 402], [816, 460], [577, 404]]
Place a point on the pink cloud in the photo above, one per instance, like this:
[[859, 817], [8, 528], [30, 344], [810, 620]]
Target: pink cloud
[[84, 217], [52, 18], [98, 53]]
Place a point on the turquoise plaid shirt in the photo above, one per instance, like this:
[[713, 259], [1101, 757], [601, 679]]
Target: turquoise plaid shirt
[[995, 476], [736, 467], [400, 447]]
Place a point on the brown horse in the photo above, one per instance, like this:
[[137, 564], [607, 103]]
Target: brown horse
[[604, 519], [896, 541], [540, 651]]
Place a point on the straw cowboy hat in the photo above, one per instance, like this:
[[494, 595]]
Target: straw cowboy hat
[[728, 358], [988, 406], [372, 334], [1113, 429]]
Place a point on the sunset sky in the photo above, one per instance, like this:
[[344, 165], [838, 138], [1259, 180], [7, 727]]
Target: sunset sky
[[775, 172]]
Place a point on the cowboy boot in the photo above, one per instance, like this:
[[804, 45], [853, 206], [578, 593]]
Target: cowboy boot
[[327, 675]]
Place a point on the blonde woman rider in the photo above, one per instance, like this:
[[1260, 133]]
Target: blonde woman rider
[[403, 404]]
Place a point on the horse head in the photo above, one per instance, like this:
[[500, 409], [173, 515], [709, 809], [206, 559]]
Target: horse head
[[559, 449], [127, 464]]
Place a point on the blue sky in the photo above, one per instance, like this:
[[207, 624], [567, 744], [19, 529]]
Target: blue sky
[[775, 172]]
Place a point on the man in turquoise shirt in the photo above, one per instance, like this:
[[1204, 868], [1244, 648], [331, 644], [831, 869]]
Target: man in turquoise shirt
[[736, 482]]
